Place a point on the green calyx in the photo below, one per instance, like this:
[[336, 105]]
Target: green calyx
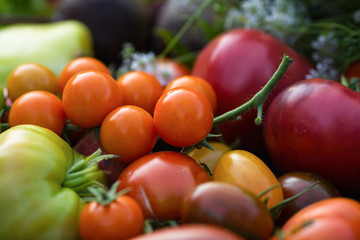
[[103, 196], [85, 173]]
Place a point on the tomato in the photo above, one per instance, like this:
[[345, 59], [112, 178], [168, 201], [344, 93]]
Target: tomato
[[89, 96], [238, 63], [208, 156], [78, 65], [246, 170], [353, 70], [28, 77], [190, 232], [129, 132], [111, 217], [140, 89], [39, 108], [168, 69], [183, 117], [159, 181], [334, 218], [196, 83], [293, 183], [313, 126], [229, 206]]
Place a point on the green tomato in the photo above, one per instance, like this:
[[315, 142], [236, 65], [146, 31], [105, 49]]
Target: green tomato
[[40, 195]]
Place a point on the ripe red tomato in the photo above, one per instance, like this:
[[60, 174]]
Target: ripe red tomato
[[89, 96], [313, 126], [159, 181], [183, 117], [140, 89], [334, 218], [40, 108], [129, 132], [238, 63], [168, 69], [78, 65]]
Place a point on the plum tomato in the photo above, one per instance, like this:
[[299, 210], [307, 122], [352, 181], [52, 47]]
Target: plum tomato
[[313, 126], [129, 132], [246, 170], [140, 89], [183, 117], [159, 181], [229, 206], [39, 108], [78, 65], [197, 83], [293, 183], [89, 96], [333, 218], [29, 77], [238, 63]]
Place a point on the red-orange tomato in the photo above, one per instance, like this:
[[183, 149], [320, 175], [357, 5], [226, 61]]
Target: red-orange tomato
[[129, 132], [89, 96], [40, 108], [140, 89], [183, 117], [330, 219], [121, 219], [78, 65], [197, 83], [168, 69], [159, 181]]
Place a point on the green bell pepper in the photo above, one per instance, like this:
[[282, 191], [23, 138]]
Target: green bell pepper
[[51, 44], [42, 180]]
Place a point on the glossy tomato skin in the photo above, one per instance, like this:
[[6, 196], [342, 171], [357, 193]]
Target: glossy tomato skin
[[293, 183], [229, 206], [313, 126], [190, 232], [238, 63], [159, 181], [331, 219]]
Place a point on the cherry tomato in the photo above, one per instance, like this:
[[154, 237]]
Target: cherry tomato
[[89, 96], [229, 206], [190, 232], [129, 132], [140, 89], [183, 117], [168, 69], [120, 219], [197, 83], [78, 65], [159, 181], [293, 183], [238, 63], [28, 77], [334, 218], [313, 126], [246, 170], [209, 157], [40, 108]]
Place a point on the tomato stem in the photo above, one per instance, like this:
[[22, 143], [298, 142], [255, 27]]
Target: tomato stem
[[259, 98]]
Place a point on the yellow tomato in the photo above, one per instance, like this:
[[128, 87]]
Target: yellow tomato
[[246, 170]]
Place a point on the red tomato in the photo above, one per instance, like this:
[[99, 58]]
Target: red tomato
[[183, 117], [168, 69], [314, 126], [140, 89], [40, 108], [129, 132], [89, 96], [78, 65], [238, 63], [159, 181], [330, 219]]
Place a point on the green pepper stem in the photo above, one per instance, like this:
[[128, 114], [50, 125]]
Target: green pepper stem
[[259, 98]]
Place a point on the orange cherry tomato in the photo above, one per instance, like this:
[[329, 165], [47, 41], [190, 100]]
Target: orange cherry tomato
[[140, 89], [29, 77], [40, 108], [89, 96], [78, 65]]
